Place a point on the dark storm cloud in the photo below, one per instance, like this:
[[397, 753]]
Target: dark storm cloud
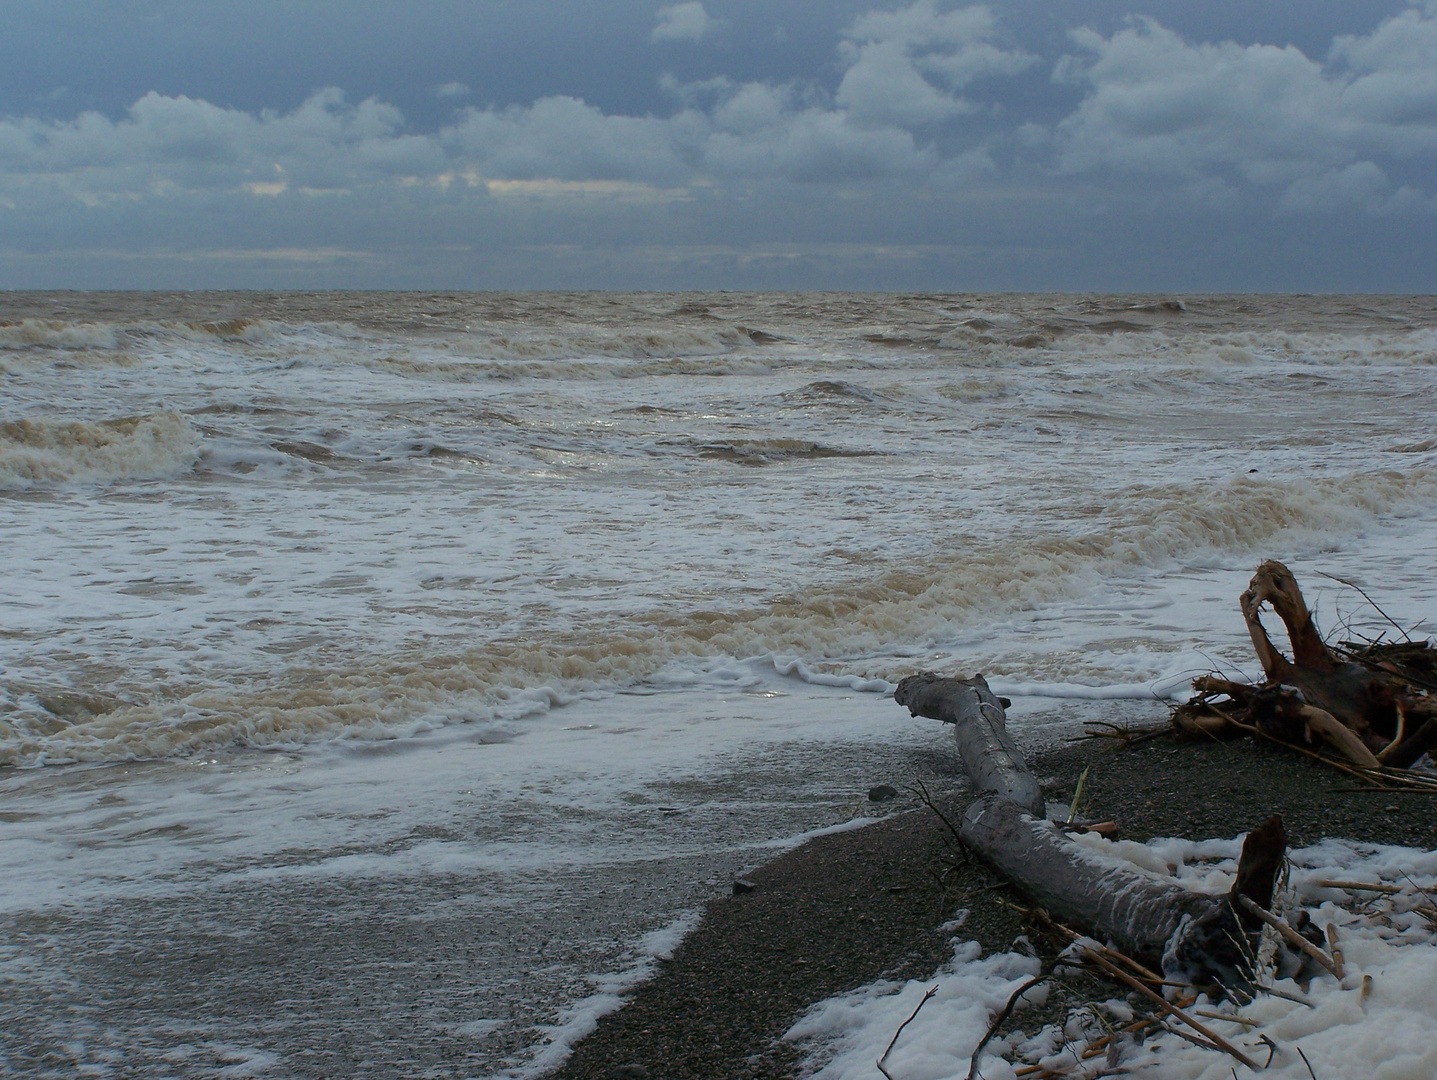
[[958, 141]]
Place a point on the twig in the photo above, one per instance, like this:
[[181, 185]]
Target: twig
[[1161, 1002], [996, 1024], [1336, 951], [1243, 1020], [1239, 997], [1244, 949], [1419, 888], [1358, 886], [921, 790], [1186, 1037], [1043, 918], [1142, 972], [1431, 913], [1299, 1049], [1271, 1049], [1077, 795], [1411, 781], [1398, 735], [1275, 992], [891, 1042], [1360, 589], [1254, 729], [1094, 1048], [1128, 735], [1412, 787], [1291, 936]]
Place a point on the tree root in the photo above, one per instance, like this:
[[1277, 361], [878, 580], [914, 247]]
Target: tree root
[[1371, 703]]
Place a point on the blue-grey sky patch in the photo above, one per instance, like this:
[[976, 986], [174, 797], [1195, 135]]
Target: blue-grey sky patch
[[719, 144]]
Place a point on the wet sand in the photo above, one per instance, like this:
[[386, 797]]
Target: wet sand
[[850, 908], [286, 969], [446, 946]]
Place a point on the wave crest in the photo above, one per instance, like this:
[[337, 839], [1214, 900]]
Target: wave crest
[[34, 452], [868, 626], [55, 334]]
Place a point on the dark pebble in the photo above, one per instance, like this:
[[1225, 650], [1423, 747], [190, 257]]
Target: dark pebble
[[882, 793], [743, 885]]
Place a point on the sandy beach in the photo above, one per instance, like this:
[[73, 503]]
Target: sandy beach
[[474, 476], [851, 908], [390, 680]]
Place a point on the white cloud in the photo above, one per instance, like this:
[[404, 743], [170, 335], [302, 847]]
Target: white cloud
[[760, 134], [284, 255], [1210, 121], [682, 22], [612, 190], [752, 131], [1362, 185], [1257, 114], [905, 67], [903, 71], [903, 138], [166, 145], [563, 138]]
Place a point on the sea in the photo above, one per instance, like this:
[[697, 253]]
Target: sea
[[386, 679]]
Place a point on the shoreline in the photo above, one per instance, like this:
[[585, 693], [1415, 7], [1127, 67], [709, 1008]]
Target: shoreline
[[850, 908]]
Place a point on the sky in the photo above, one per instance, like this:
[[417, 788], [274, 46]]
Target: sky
[[1102, 145]]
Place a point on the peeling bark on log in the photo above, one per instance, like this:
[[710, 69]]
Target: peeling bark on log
[[1193, 936], [989, 754]]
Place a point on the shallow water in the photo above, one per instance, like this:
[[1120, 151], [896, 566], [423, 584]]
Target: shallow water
[[353, 588]]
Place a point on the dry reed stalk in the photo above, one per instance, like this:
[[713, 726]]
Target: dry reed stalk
[[1335, 950], [1243, 1020], [1291, 936], [1358, 886], [1171, 1010]]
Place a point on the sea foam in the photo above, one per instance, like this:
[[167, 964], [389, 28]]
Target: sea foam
[[37, 452], [311, 517]]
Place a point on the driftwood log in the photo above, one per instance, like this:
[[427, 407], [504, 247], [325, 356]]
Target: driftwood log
[[1371, 702], [1192, 937]]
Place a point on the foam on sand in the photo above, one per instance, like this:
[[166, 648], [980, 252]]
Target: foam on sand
[[1388, 1034], [609, 992]]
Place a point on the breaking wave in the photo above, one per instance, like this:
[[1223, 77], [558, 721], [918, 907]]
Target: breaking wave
[[38, 452], [863, 627], [55, 334], [899, 466], [589, 342]]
